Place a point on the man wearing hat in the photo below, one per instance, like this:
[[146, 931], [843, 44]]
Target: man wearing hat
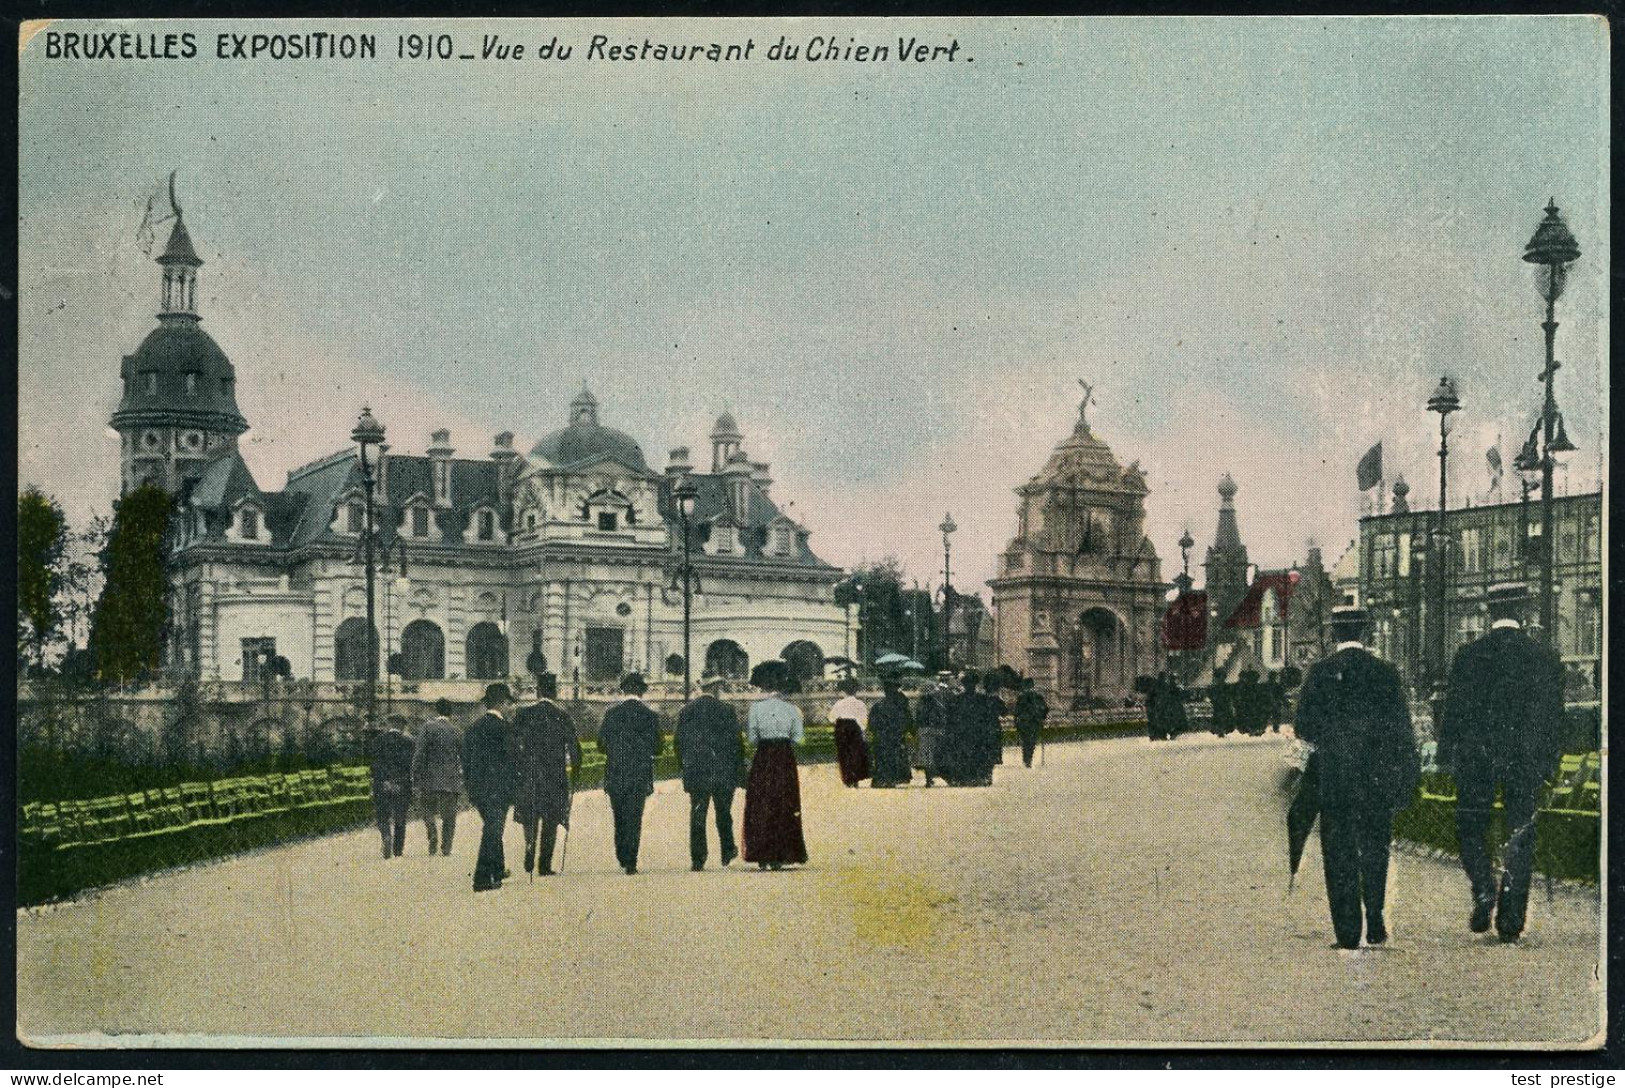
[[489, 778], [711, 749], [1030, 712], [546, 754], [630, 741], [437, 772], [1501, 727], [1353, 710]]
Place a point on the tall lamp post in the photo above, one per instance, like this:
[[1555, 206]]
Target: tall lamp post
[[1553, 248], [368, 434], [683, 494], [947, 529], [1445, 402], [395, 551]]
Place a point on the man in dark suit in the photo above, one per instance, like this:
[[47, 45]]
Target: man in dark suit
[[630, 741], [1353, 711], [711, 749], [1502, 721], [392, 785], [489, 778], [1031, 710], [542, 742]]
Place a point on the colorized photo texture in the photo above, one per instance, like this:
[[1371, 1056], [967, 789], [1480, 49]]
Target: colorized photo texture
[[588, 533]]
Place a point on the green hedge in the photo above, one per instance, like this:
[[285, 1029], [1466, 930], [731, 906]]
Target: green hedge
[[1568, 824]]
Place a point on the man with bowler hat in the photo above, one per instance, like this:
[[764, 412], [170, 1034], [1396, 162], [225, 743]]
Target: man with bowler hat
[[711, 749], [1501, 727], [488, 776], [543, 741], [630, 741], [1353, 711]]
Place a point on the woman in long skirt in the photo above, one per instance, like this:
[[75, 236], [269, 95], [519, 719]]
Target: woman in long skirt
[[850, 717], [773, 836], [889, 725]]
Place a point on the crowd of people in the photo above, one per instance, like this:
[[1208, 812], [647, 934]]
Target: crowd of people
[[1500, 730], [524, 761]]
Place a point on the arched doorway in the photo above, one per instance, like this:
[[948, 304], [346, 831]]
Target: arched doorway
[[350, 649], [726, 658], [486, 652], [423, 651], [805, 659], [1095, 658]]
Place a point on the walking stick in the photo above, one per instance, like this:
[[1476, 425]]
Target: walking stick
[[564, 851]]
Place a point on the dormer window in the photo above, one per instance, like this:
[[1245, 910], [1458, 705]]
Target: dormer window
[[778, 540], [355, 516], [486, 523], [152, 383], [191, 385], [420, 521], [608, 521], [725, 539], [248, 523], [530, 520]]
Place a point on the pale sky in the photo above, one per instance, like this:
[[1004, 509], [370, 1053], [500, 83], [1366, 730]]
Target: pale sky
[[1263, 240]]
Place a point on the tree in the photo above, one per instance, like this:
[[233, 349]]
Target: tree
[[876, 593], [41, 550], [129, 626]]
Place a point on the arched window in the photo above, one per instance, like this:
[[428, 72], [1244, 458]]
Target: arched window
[[726, 658], [423, 651], [486, 652], [350, 649]]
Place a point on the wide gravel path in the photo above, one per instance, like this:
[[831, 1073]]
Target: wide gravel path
[[1124, 893]]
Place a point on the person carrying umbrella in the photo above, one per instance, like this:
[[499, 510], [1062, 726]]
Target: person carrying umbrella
[[890, 722], [1365, 767]]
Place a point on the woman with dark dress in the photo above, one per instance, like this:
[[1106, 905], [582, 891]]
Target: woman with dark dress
[[850, 717], [773, 837], [889, 725]]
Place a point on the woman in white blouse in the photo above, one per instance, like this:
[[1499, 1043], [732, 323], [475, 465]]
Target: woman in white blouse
[[850, 717], [773, 836]]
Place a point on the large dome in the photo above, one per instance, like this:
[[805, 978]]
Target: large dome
[[179, 369], [585, 440]]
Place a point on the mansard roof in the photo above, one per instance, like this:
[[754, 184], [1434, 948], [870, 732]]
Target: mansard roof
[[711, 504]]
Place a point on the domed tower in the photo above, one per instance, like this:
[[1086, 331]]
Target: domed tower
[[725, 440], [1226, 562], [179, 409]]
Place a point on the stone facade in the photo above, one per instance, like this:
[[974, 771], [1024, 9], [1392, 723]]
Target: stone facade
[[572, 552], [1079, 591]]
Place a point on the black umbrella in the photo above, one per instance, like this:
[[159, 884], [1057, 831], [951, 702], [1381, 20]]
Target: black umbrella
[[1300, 816]]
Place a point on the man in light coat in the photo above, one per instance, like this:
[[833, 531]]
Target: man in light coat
[[437, 772]]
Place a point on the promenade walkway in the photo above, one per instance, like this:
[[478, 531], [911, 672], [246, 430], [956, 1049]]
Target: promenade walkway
[[1123, 893]]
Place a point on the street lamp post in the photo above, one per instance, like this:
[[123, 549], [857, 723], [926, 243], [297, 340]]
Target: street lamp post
[[1553, 248], [947, 529], [1445, 402], [394, 550], [684, 494], [369, 433]]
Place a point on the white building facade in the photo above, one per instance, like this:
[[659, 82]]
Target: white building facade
[[568, 558]]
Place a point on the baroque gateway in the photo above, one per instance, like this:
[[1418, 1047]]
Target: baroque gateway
[[572, 552]]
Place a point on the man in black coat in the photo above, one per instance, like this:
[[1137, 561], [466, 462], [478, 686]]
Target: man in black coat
[[489, 778], [1353, 710], [1031, 710], [392, 785], [973, 735], [542, 742], [711, 749], [1502, 722], [630, 741]]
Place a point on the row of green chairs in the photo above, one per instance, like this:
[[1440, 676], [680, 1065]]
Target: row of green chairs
[[147, 812], [1575, 787]]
